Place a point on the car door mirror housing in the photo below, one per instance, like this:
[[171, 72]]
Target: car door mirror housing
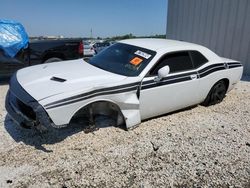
[[162, 73]]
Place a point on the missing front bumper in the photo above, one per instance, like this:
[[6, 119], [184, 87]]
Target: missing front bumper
[[29, 115], [15, 114], [23, 109]]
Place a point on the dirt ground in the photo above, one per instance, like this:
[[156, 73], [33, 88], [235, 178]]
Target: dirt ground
[[199, 147]]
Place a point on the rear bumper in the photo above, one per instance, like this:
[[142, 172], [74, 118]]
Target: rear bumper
[[23, 109]]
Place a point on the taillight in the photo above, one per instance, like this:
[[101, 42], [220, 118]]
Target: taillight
[[80, 49]]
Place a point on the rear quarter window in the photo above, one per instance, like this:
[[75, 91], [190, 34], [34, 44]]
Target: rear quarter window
[[198, 59]]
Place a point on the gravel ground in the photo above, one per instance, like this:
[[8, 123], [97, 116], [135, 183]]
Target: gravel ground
[[199, 147]]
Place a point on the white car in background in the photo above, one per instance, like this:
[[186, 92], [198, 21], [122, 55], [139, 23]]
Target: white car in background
[[100, 46], [132, 80], [88, 50]]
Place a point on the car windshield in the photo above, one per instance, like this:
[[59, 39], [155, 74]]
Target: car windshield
[[123, 59]]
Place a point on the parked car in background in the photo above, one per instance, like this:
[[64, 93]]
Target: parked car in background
[[99, 46], [131, 81], [88, 50], [41, 51]]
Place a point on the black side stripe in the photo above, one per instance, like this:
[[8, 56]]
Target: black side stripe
[[209, 71], [182, 77], [234, 66], [98, 92], [210, 67], [187, 76], [94, 95], [179, 76], [167, 82], [171, 77], [145, 85], [234, 63]]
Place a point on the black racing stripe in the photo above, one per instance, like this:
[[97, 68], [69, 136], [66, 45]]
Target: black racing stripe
[[180, 75], [93, 92], [234, 63], [183, 77], [188, 74], [171, 77], [94, 95], [145, 85], [211, 67], [148, 82], [162, 83], [211, 71]]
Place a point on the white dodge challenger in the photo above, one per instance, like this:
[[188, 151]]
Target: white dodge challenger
[[131, 80]]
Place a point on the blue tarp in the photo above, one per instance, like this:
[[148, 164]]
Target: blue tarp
[[12, 37]]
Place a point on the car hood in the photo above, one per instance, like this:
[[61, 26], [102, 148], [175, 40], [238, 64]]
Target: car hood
[[47, 80]]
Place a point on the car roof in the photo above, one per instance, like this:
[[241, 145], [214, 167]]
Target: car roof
[[156, 44], [167, 45]]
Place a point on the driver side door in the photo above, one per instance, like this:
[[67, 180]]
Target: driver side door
[[176, 91]]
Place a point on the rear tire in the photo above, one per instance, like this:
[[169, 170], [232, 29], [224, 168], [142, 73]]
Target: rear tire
[[216, 94], [53, 59]]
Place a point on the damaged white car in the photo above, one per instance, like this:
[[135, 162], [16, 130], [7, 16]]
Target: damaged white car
[[132, 80]]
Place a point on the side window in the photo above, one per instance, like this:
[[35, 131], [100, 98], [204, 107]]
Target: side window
[[177, 61], [198, 58]]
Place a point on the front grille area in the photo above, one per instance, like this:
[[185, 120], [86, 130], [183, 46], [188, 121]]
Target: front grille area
[[25, 109]]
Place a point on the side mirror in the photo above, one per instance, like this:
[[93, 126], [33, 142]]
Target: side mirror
[[162, 73]]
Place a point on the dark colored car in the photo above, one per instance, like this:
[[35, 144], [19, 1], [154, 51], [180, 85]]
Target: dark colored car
[[41, 51]]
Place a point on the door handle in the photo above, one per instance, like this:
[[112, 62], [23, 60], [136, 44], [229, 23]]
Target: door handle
[[193, 76]]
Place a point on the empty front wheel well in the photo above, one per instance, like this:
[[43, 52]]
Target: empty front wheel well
[[104, 108]]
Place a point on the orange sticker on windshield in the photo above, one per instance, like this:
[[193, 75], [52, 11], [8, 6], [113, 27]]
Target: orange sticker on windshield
[[136, 61]]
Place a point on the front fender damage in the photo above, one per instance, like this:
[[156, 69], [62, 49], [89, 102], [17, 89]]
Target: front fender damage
[[130, 110], [27, 113], [42, 121], [120, 110]]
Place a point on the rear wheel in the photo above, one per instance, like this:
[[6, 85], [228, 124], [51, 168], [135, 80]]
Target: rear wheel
[[216, 94]]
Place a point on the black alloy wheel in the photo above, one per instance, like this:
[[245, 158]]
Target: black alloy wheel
[[216, 94]]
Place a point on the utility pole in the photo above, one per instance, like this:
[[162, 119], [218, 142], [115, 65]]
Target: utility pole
[[91, 34]]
